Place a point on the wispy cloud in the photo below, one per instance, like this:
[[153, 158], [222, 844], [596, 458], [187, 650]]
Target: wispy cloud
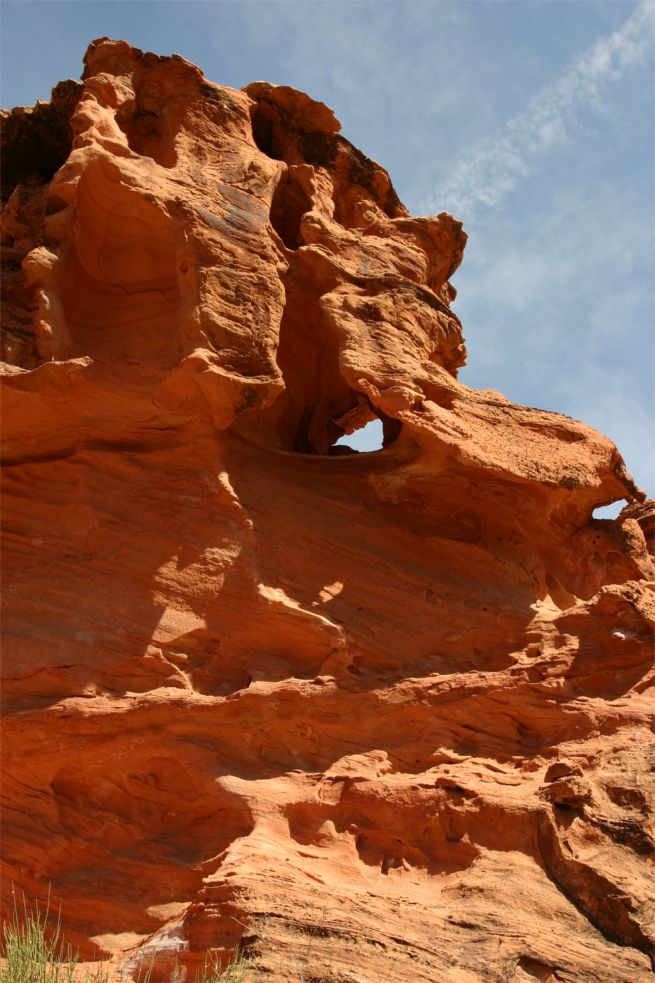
[[557, 311], [497, 165]]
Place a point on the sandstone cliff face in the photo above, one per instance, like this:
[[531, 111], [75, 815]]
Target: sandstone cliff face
[[370, 717]]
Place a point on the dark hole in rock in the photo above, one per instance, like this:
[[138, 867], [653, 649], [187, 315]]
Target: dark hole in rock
[[289, 204], [318, 407], [537, 969], [263, 117]]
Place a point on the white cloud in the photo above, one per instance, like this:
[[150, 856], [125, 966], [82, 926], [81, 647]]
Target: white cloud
[[578, 241], [559, 314], [495, 168]]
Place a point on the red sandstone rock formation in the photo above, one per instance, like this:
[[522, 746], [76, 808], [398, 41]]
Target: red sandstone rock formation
[[370, 717]]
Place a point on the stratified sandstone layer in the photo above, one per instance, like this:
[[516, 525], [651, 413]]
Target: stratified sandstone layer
[[369, 717]]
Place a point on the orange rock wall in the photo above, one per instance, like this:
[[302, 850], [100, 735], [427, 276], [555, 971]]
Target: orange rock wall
[[368, 717]]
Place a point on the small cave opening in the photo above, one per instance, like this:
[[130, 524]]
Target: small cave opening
[[290, 203], [263, 118], [609, 511], [376, 435], [368, 438], [319, 410], [322, 429]]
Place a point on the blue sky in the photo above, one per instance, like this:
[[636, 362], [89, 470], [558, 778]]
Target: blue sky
[[531, 121]]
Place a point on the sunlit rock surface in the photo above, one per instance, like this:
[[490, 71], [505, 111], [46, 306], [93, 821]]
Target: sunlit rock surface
[[368, 717]]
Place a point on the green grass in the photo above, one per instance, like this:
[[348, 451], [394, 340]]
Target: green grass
[[211, 971], [35, 952]]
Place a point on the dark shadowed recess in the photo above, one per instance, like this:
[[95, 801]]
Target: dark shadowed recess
[[277, 137], [37, 141], [318, 407], [290, 202]]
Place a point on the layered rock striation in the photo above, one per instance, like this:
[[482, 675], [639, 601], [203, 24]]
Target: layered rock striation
[[378, 716]]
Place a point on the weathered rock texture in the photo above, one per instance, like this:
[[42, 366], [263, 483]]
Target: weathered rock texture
[[369, 716]]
